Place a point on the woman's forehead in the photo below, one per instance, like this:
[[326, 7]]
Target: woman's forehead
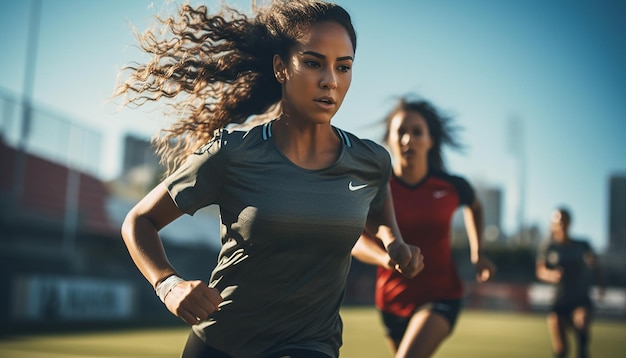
[[326, 37]]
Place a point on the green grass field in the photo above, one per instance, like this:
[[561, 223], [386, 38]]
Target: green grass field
[[478, 334]]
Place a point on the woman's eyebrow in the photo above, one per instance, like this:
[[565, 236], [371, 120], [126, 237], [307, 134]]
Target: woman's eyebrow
[[322, 57]]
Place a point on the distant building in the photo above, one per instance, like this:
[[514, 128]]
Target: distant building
[[617, 214], [141, 169], [491, 199], [138, 152]]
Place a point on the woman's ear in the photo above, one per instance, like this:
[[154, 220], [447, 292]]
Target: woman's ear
[[279, 69]]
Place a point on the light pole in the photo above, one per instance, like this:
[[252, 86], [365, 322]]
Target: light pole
[[29, 82], [517, 149]]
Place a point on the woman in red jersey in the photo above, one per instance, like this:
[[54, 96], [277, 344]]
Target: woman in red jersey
[[419, 313]]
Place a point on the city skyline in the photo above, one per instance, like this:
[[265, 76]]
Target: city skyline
[[554, 68]]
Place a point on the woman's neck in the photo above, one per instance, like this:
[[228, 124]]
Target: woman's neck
[[310, 146], [412, 174]]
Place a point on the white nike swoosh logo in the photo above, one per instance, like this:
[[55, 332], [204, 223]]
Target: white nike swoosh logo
[[356, 187], [439, 194]]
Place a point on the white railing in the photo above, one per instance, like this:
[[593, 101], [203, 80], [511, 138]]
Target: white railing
[[50, 135]]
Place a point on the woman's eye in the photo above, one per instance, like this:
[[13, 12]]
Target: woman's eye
[[312, 64], [344, 68]]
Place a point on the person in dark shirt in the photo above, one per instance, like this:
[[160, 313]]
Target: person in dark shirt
[[570, 265], [294, 193]]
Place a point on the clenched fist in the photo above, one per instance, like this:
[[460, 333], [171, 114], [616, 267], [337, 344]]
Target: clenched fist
[[406, 259]]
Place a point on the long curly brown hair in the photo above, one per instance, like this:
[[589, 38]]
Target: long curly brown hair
[[214, 70]]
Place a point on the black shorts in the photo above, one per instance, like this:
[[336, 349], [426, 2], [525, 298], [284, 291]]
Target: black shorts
[[395, 326], [566, 308], [196, 348]]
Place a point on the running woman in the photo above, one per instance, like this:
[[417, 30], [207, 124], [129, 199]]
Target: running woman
[[294, 193], [420, 312]]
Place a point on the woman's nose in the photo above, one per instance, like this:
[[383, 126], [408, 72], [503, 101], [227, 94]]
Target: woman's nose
[[329, 79]]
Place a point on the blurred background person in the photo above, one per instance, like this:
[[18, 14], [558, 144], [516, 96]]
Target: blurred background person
[[571, 266], [419, 313]]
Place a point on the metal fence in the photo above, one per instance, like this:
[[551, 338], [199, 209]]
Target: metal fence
[[49, 134]]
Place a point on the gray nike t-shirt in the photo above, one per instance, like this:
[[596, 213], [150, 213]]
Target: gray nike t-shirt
[[287, 234]]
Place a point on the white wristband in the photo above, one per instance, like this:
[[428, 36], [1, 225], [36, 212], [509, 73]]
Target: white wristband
[[165, 286]]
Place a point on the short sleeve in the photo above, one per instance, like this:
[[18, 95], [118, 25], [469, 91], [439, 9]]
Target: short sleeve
[[197, 182], [587, 247], [464, 189]]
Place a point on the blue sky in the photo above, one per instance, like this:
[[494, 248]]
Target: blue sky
[[557, 67]]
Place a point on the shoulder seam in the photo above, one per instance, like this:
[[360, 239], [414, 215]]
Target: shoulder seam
[[344, 137]]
